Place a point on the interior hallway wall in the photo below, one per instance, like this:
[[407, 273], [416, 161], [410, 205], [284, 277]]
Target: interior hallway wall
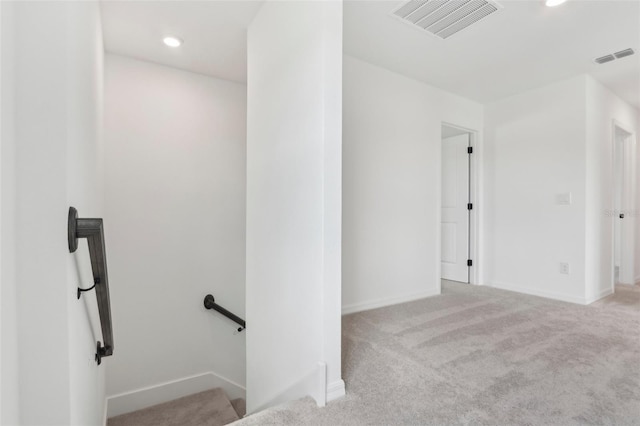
[[175, 147], [9, 386], [391, 183], [541, 145], [535, 151], [51, 159], [294, 157]]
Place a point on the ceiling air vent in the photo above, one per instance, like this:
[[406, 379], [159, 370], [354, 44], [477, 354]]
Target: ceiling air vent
[[613, 56], [444, 18], [605, 59], [623, 53]]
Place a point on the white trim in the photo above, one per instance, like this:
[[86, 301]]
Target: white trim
[[320, 394], [335, 390], [539, 293], [138, 399], [603, 293], [477, 198], [104, 411], [551, 295], [379, 303]]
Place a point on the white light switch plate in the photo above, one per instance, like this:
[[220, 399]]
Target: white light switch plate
[[564, 198]]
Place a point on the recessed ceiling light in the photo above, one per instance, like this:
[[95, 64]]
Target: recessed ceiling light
[[554, 3], [172, 41]]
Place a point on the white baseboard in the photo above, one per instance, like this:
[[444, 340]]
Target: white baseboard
[[137, 399], [602, 294], [104, 412], [379, 303], [320, 391], [335, 390], [540, 293]]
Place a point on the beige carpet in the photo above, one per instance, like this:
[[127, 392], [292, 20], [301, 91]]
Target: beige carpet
[[209, 408], [626, 297], [481, 356]]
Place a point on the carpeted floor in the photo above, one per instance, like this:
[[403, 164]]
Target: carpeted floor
[[481, 356], [208, 408]]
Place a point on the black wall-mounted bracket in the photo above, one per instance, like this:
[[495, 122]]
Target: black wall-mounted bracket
[[100, 352]]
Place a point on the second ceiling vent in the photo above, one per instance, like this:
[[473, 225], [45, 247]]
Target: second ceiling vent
[[613, 56], [444, 18]]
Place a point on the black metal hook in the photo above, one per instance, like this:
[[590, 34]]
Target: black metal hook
[[82, 290]]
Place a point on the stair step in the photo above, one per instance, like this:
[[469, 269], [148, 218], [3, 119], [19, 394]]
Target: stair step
[[208, 408], [240, 405]]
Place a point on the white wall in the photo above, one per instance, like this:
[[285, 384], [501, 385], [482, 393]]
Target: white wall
[[538, 145], [603, 107], [85, 191], [636, 214], [534, 151], [391, 192], [175, 223], [293, 197], [54, 146], [9, 387]]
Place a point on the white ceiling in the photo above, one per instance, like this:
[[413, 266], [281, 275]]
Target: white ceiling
[[525, 45], [214, 33]]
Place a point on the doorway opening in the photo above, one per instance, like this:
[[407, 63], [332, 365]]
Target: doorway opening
[[457, 204], [623, 203]]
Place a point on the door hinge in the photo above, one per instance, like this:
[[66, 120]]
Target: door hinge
[[470, 206], [470, 150], [469, 262]]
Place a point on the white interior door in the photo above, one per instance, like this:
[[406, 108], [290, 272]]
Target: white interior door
[[455, 215], [618, 171], [624, 200]]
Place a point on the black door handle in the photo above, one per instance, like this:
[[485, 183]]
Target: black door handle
[[621, 215]]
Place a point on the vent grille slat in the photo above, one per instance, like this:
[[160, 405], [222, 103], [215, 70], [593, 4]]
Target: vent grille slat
[[467, 21], [442, 13], [410, 7], [457, 16], [427, 9]]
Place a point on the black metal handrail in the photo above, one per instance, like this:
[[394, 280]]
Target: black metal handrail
[[210, 303], [93, 231]]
